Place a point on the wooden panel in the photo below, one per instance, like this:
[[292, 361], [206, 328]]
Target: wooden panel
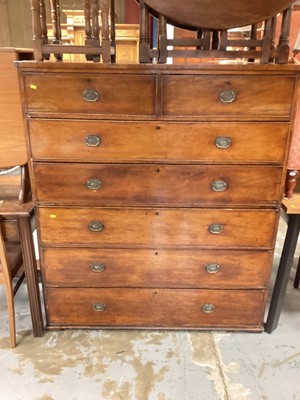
[[156, 268], [5, 37], [117, 94], [10, 230], [136, 185], [164, 142], [155, 308], [157, 227], [255, 96], [12, 140]]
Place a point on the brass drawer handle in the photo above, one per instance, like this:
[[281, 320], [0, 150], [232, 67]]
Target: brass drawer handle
[[223, 142], [208, 308], [216, 228], [99, 307], [90, 95], [219, 186], [94, 184], [93, 141], [96, 226], [98, 267], [227, 96], [212, 268]]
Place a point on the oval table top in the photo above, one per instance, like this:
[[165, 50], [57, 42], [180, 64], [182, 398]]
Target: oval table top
[[218, 14]]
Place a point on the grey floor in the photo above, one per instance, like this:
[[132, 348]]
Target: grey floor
[[152, 365]]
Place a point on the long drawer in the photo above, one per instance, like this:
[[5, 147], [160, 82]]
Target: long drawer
[[90, 141], [155, 308], [103, 94], [146, 227], [135, 184], [70, 267], [228, 96]]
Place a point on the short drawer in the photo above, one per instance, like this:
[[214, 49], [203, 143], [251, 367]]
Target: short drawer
[[161, 227], [155, 268], [105, 94], [155, 308], [90, 141], [228, 96], [174, 185]]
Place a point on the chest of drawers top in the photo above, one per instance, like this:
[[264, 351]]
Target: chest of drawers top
[[167, 92]]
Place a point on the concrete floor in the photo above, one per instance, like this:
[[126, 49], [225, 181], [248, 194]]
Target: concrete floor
[[152, 365]]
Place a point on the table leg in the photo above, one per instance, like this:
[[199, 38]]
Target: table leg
[[297, 277], [283, 274], [31, 274]]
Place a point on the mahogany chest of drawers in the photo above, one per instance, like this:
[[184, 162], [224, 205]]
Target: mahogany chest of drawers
[[157, 190]]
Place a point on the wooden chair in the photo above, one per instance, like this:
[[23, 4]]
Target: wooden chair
[[94, 47], [213, 40], [16, 209]]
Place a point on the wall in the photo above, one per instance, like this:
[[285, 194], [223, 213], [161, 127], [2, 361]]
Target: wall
[[15, 23], [15, 20]]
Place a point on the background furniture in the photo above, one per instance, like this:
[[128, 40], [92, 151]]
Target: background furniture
[[17, 250], [12, 129], [212, 39], [16, 208], [73, 32], [292, 209], [94, 48]]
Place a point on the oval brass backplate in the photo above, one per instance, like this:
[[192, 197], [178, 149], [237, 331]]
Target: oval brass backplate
[[212, 268], [99, 307], [92, 141], [96, 226], [223, 142], [94, 184], [208, 308], [216, 228], [98, 267], [90, 95], [227, 96], [219, 186]]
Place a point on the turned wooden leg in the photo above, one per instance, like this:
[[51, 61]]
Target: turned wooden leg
[[291, 182]]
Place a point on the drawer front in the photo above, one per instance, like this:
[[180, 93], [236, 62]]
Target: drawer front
[[157, 227], [156, 268], [90, 141], [228, 96], [155, 308], [109, 94], [135, 184]]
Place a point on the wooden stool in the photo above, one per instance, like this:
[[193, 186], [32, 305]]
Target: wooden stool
[[292, 209]]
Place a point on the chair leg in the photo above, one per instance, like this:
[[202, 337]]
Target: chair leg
[[297, 277], [9, 291], [11, 312]]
